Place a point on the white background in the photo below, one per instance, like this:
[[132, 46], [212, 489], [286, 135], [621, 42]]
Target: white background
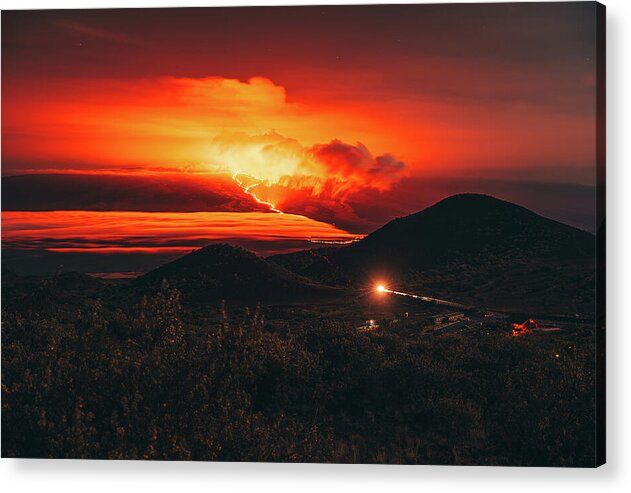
[[66, 476]]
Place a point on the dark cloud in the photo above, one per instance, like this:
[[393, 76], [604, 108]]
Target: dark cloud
[[86, 30], [357, 163], [508, 32], [168, 192]]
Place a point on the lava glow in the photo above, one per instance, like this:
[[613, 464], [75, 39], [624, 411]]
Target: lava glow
[[248, 189]]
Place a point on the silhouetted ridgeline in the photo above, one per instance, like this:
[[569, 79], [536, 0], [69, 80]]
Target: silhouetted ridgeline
[[470, 247], [223, 271]]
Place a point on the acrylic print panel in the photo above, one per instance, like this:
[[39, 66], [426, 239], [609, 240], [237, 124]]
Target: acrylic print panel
[[351, 234]]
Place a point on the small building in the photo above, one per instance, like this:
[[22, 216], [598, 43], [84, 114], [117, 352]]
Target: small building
[[445, 318], [369, 326]]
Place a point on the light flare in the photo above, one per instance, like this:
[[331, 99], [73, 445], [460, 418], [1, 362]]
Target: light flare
[[380, 288]]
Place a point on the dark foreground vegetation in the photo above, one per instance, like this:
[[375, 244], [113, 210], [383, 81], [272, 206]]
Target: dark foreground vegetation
[[149, 380]]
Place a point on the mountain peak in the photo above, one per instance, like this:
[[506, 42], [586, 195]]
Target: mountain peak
[[475, 199], [469, 224], [470, 205], [471, 196], [222, 250], [223, 271]]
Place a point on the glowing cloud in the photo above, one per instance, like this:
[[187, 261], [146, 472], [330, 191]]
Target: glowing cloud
[[356, 163], [330, 170], [207, 124]]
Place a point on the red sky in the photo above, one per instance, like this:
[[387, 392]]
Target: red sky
[[349, 115]]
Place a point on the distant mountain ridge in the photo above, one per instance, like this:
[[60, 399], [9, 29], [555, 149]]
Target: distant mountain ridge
[[469, 248], [164, 192], [222, 271]]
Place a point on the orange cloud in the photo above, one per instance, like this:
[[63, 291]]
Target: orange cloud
[[324, 170], [356, 163], [165, 121]]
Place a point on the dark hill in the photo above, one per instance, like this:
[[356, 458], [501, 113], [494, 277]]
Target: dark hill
[[222, 271], [472, 224], [35, 293], [468, 247]]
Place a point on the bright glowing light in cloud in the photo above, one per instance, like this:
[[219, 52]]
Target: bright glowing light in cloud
[[330, 170]]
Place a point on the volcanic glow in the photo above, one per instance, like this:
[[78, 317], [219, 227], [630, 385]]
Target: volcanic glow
[[248, 189], [306, 158], [347, 133]]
